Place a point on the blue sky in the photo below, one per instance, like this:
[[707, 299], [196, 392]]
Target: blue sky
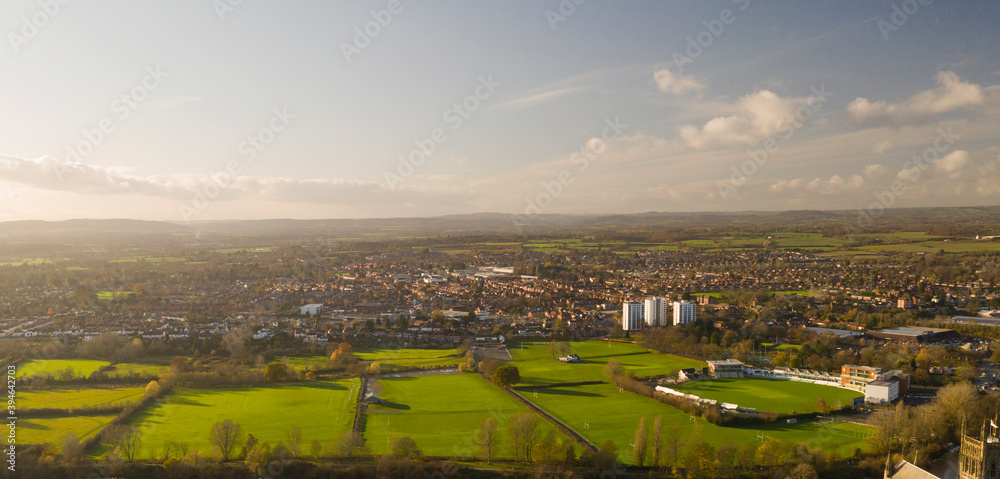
[[342, 115]]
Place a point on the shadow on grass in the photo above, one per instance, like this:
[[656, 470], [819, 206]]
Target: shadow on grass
[[394, 405], [566, 392]]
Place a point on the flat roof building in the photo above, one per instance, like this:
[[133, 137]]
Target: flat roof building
[[727, 368], [684, 312]]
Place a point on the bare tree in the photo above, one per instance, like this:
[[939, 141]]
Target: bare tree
[[523, 430], [488, 437], [673, 443], [129, 444], [226, 436], [72, 450], [294, 436], [351, 444]]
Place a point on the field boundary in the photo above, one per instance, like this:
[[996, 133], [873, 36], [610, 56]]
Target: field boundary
[[555, 422], [359, 406]]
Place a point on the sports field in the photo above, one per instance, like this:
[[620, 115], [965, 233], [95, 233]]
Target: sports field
[[440, 413], [71, 398], [538, 367], [770, 395], [615, 415], [51, 430], [322, 410]]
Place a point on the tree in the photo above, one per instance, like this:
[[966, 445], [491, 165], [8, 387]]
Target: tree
[[258, 457], [523, 431], [506, 376], [548, 448], [673, 444], [488, 438], [235, 341], [405, 447], [613, 368], [639, 446], [72, 450], [351, 444], [803, 471], [225, 436], [316, 449], [294, 436], [128, 447], [276, 372], [657, 440]]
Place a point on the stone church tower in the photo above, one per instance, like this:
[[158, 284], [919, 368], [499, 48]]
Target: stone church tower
[[979, 457]]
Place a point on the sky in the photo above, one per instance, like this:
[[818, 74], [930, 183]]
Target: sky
[[193, 110]]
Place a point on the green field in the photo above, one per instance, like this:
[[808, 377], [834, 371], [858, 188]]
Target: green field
[[770, 395], [615, 415], [935, 246], [322, 410], [537, 366], [51, 430], [85, 367], [71, 398], [396, 354], [440, 413]]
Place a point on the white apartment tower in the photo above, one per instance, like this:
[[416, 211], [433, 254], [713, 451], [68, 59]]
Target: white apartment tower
[[684, 312], [656, 311], [631, 315]]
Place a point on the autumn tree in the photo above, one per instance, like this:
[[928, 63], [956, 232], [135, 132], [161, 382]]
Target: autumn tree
[[226, 436]]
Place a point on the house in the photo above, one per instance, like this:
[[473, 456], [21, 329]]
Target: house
[[572, 358]]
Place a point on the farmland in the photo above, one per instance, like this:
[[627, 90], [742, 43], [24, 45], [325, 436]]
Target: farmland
[[84, 367], [51, 430], [612, 415], [322, 410], [428, 410], [73, 398], [538, 367], [770, 395]]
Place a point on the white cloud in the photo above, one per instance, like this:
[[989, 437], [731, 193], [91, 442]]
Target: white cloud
[[882, 146], [951, 94], [953, 163], [874, 170], [48, 173], [676, 84], [758, 116]]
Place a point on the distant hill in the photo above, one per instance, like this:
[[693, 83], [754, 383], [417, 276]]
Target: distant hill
[[970, 220]]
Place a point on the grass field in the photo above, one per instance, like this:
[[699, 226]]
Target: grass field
[[770, 395], [395, 354], [440, 413], [322, 410], [537, 366], [51, 430], [935, 246], [76, 398], [85, 367], [615, 416]]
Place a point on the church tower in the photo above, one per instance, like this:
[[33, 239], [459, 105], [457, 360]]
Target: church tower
[[979, 457]]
